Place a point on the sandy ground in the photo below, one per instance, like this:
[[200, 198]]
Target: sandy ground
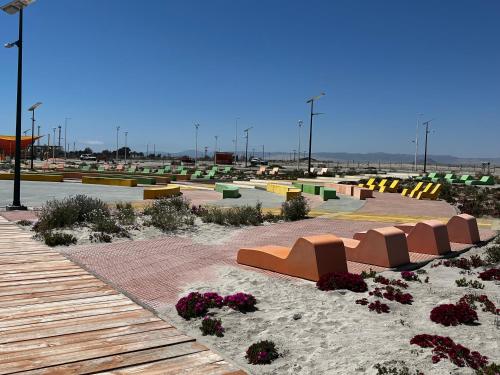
[[334, 335]]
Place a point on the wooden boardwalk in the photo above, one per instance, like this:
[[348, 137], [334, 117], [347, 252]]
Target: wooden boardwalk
[[56, 318]]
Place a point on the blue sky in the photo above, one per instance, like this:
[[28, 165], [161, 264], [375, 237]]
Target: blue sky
[[156, 70]]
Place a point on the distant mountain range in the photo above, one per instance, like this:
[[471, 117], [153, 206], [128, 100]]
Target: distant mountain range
[[373, 157]]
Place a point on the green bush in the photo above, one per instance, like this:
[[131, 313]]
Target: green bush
[[68, 212], [169, 214], [295, 209], [493, 252], [100, 222], [100, 237], [24, 223], [125, 213], [58, 239], [234, 216]]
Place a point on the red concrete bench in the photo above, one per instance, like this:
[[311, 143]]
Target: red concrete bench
[[463, 229], [385, 247], [309, 258], [427, 237]]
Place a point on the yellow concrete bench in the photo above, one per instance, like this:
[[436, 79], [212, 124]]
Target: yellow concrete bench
[[109, 181], [34, 177], [289, 192], [162, 192]]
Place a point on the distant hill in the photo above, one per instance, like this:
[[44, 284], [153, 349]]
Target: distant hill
[[373, 157]]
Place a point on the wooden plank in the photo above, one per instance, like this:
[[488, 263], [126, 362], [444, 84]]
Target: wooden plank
[[89, 350], [169, 366], [41, 275], [121, 360], [47, 281], [23, 289], [48, 342], [46, 266], [69, 326], [31, 258], [41, 316], [50, 296]]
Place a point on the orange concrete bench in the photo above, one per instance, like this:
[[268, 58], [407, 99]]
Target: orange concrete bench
[[426, 237], [351, 190], [463, 229], [385, 247], [309, 258], [362, 193]]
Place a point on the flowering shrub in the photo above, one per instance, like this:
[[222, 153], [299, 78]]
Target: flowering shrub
[[379, 307], [491, 274], [444, 347], [491, 369], [261, 353], [471, 299], [452, 315], [409, 276], [242, 302], [342, 280], [362, 301], [213, 300], [191, 306], [368, 275], [392, 294], [473, 284], [212, 327], [385, 281], [463, 263]]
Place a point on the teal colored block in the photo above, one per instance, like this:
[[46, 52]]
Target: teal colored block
[[311, 189], [328, 193]]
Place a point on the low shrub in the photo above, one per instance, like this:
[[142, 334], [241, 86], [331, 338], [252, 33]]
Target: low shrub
[[68, 212], [462, 283], [444, 347], [211, 327], [475, 261], [491, 274], [401, 369], [362, 301], [105, 224], [471, 299], [368, 275], [392, 294], [385, 281], [493, 253], [452, 315], [379, 307], [262, 353], [242, 302], [100, 237], [58, 239], [409, 276], [24, 223], [295, 209], [168, 214], [491, 369], [125, 214], [191, 306], [342, 280], [234, 216]]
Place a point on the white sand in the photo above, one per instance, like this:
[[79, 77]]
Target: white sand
[[334, 335]]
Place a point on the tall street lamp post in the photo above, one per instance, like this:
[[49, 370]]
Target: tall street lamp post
[[416, 140], [246, 147], [236, 142], [312, 100], [300, 131], [65, 135], [32, 109], [54, 145], [196, 126], [117, 130], [215, 150], [17, 6], [126, 134], [427, 123]]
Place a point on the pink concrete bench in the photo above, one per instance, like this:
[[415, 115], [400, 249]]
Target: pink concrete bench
[[309, 258], [385, 247], [463, 229], [426, 237]]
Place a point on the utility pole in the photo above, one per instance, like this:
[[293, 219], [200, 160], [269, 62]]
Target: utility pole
[[38, 133], [246, 147], [74, 148], [300, 131], [310, 127], [59, 142], [48, 146], [263, 154], [126, 133], [54, 146], [416, 140], [236, 142], [65, 135], [117, 130], [147, 151], [196, 126], [206, 152], [215, 150], [426, 136]]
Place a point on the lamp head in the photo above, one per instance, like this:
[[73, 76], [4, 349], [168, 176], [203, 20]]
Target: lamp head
[[35, 106], [15, 6]]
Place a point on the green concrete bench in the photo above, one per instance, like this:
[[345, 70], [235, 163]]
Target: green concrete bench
[[485, 180], [311, 189], [462, 180], [228, 191], [328, 193]]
